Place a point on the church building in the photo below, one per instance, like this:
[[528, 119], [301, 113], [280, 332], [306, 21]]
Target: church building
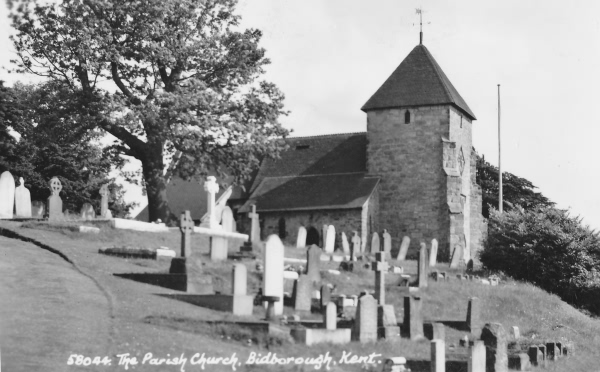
[[412, 172]]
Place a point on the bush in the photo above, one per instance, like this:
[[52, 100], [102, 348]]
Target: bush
[[549, 248]]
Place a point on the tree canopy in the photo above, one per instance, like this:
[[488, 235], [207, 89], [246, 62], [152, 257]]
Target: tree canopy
[[163, 77]]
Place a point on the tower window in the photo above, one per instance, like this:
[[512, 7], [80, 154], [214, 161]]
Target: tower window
[[407, 117]]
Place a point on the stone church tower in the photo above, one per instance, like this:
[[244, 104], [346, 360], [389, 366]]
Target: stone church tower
[[419, 143]]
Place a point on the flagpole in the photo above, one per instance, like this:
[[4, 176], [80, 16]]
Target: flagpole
[[499, 157]]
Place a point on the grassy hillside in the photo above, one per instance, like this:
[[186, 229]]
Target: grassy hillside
[[142, 321]]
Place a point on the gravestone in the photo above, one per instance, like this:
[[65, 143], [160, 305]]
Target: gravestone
[[273, 272], [423, 263], [403, 248], [313, 263], [477, 357], [356, 246], [254, 226], [87, 212], [330, 316], [345, 245], [387, 244], [54, 201], [552, 351], [457, 255], [22, 200], [375, 247], [37, 209], [186, 226], [330, 240], [227, 220], [380, 267], [7, 195], [365, 321], [212, 219], [239, 279], [536, 356], [302, 293], [413, 318], [104, 211], [324, 236], [494, 338], [433, 253], [473, 316], [325, 296], [438, 356], [515, 333], [301, 240]]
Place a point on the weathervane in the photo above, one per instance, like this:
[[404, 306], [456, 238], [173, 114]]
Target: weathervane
[[420, 12]]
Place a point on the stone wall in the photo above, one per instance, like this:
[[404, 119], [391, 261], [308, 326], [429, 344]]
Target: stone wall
[[478, 223], [408, 159]]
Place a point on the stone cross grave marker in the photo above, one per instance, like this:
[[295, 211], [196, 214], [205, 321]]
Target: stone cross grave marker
[[330, 316], [302, 293], [365, 321], [403, 248], [255, 225], [375, 243], [433, 253], [324, 235], [104, 211], [345, 245], [273, 272], [239, 279], [186, 226], [330, 240], [313, 263], [211, 187], [494, 338], [387, 243], [380, 266], [54, 201], [7, 195], [22, 200], [301, 240], [356, 246], [423, 263], [87, 212]]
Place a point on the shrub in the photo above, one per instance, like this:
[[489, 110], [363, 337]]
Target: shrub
[[549, 248]]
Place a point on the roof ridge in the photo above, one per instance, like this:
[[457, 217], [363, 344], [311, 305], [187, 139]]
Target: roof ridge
[[328, 135]]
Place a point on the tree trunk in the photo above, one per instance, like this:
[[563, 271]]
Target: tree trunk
[[156, 189]]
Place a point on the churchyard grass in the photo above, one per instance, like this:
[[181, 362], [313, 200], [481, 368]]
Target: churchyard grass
[[143, 321]]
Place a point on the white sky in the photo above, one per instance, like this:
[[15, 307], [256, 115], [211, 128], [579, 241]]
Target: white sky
[[330, 56]]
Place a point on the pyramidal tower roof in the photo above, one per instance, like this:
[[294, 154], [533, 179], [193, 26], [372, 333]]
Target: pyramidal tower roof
[[418, 81]]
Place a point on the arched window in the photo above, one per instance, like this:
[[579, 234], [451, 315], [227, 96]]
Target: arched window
[[282, 233], [407, 117]]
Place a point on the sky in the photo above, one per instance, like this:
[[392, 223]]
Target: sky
[[330, 56]]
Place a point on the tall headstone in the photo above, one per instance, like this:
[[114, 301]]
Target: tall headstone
[[211, 187], [7, 195], [330, 316], [413, 317], [104, 211], [403, 248], [330, 240], [433, 253], [22, 200], [494, 338], [423, 265], [54, 201], [476, 361], [313, 263], [380, 266], [356, 246], [302, 293], [37, 209], [324, 235], [301, 241], [457, 255], [345, 245], [473, 316], [186, 226], [273, 271], [254, 226], [375, 246], [87, 212], [365, 321], [387, 243], [438, 356], [239, 279]]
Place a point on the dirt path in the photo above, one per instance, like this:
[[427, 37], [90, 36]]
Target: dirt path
[[61, 311]]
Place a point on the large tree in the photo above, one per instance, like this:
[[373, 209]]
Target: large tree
[[164, 77]]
